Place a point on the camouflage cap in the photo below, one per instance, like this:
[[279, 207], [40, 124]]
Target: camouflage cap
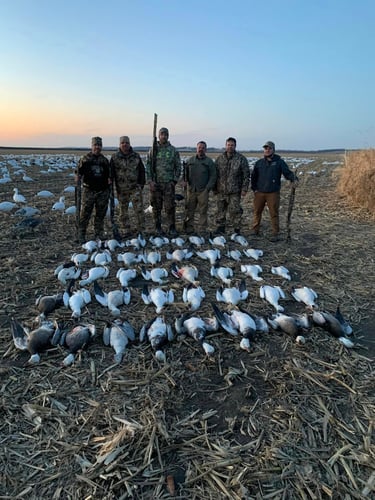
[[96, 141], [124, 138], [269, 144], [164, 130]]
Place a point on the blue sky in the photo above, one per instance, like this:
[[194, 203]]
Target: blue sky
[[296, 72]]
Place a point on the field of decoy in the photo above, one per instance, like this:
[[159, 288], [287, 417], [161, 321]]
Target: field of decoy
[[280, 420]]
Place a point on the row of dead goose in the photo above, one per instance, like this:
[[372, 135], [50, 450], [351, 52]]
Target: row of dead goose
[[158, 331]]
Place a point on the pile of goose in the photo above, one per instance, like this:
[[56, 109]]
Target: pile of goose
[[166, 275]]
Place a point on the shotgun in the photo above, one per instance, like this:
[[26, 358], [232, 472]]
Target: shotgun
[[78, 197], [115, 231], [154, 151], [290, 210]]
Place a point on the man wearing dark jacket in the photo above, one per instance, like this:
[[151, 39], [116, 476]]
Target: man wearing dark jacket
[[129, 177], [265, 182], [200, 176]]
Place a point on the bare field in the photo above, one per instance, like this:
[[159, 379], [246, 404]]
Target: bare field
[[282, 421]]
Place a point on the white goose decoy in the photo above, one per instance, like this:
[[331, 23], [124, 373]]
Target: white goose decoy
[[95, 273], [212, 254], [305, 295], [27, 178], [101, 258], [272, 294], [289, 325], [78, 300], [18, 197], [69, 189], [45, 194], [332, 325], [113, 244], [7, 206], [27, 212], [125, 275], [113, 299], [254, 253], [217, 241], [117, 334], [234, 255], [59, 205], [241, 240], [158, 333], [193, 295], [158, 241], [74, 340], [223, 273], [188, 273], [281, 271], [72, 210], [253, 271], [158, 297], [232, 295], [157, 274], [34, 342], [196, 328], [129, 258], [179, 254]]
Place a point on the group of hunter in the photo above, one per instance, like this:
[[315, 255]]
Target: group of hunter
[[124, 176]]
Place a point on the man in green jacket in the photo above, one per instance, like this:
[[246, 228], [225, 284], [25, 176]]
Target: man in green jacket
[[162, 179], [200, 177], [233, 175]]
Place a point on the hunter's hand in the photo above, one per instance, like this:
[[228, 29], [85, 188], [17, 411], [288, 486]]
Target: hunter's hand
[[152, 185], [294, 184]]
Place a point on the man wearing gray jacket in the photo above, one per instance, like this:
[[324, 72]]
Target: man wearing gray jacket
[[266, 184], [200, 176]]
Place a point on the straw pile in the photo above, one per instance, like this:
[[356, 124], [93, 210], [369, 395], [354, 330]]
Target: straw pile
[[283, 421]]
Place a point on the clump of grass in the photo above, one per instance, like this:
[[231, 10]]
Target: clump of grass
[[357, 179]]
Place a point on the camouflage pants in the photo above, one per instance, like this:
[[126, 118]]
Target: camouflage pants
[[136, 197], [230, 203], [90, 200], [164, 194], [197, 202], [272, 200]]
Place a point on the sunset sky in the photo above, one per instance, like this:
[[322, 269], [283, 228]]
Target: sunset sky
[[299, 73]]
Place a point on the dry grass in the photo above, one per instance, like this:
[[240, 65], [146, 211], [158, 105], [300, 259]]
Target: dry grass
[[357, 179], [281, 422]]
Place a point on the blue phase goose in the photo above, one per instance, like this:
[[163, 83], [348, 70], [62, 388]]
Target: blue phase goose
[[36, 341], [74, 338], [158, 333], [197, 328]]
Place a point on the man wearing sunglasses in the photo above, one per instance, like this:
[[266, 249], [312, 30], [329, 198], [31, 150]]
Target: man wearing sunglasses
[[266, 185]]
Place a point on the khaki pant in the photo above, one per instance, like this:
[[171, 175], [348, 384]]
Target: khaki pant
[[197, 202], [272, 200]]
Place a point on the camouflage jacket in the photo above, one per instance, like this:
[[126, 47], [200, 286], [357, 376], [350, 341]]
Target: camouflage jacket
[[127, 171], [200, 173], [168, 164], [94, 169], [233, 174]]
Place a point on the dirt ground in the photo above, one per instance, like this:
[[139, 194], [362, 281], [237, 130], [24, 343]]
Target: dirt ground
[[280, 421]]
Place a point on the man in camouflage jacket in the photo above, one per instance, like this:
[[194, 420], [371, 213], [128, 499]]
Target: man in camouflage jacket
[[233, 176], [128, 174], [162, 181], [93, 170]]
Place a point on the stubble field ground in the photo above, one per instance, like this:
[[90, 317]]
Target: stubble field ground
[[280, 421]]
